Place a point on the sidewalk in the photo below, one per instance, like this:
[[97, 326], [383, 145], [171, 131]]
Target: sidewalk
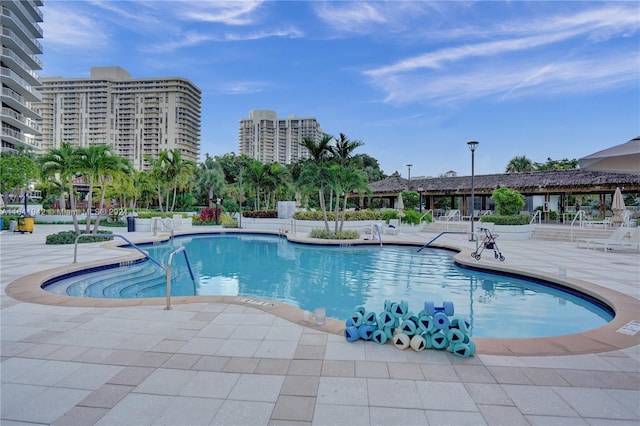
[[218, 363]]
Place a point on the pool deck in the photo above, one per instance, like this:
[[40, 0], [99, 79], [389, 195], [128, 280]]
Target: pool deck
[[225, 361]]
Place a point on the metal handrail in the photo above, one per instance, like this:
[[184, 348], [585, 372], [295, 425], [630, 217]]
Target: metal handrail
[[376, 226], [75, 249], [430, 211], [186, 258], [579, 214], [283, 227], [440, 235]]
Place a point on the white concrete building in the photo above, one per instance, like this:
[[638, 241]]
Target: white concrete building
[[270, 139], [19, 33], [137, 117]]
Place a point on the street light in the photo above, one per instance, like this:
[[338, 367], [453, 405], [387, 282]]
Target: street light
[[241, 164], [409, 167], [420, 191], [472, 146]]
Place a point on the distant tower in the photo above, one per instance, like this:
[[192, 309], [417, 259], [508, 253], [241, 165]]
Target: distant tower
[[19, 32], [136, 117], [267, 138]]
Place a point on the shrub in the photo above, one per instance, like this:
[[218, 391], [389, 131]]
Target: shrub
[[411, 217], [228, 222], [69, 237], [261, 214], [350, 215], [330, 235], [518, 219], [508, 201]]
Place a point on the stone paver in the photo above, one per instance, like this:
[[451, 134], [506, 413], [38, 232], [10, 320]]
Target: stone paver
[[218, 363]]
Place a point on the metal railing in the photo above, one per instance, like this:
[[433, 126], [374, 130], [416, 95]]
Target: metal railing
[[376, 227], [537, 214], [430, 211], [440, 235], [580, 216], [75, 249], [289, 224], [186, 258]]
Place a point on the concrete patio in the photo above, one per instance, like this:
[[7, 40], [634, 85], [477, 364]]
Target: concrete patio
[[232, 364]]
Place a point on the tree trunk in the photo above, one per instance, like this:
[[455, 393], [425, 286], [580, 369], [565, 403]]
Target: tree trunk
[[74, 211], [100, 207], [89, 201], [323, 207]]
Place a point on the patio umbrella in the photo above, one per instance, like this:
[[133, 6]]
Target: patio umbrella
[[400, 206], [617, 206], [624, 158]]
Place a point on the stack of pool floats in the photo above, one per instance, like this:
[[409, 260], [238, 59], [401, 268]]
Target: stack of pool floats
[[431, 328]]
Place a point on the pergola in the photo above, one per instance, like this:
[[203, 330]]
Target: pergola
[[544, 183]]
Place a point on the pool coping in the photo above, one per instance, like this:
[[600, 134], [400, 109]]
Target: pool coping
[[603, 339]]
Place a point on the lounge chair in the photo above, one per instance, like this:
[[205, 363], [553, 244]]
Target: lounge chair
[[618, 235], [633, 241], [451, 215], [393, 228]]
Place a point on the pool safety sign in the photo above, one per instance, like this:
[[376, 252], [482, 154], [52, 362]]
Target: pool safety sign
[[630, 328]]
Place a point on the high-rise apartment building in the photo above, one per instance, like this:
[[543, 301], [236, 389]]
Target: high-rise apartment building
[[19, 33], [270, 139], [137, 117]]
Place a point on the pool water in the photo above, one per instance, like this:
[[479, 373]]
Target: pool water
[[341, 278]]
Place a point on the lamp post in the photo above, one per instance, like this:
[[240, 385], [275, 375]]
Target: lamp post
[[241, 164], [420, 191], [409, 167], [472, 146]]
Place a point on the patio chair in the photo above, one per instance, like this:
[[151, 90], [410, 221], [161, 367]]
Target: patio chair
[[393, 228], [451, 215], [633, 241], [618, 235]]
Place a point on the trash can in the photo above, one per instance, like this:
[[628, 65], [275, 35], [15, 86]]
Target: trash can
[[12, 225], [131, 224], [1, 223]]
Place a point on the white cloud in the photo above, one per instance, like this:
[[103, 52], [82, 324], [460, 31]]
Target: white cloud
[[243, 87], [511, 81], [559, 54], [71, 27], [257, 35], [226, 12]]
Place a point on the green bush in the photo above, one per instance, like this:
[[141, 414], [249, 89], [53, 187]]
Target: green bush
[[350, 215], [228, 222], [330, 235], [411, 217], [519, 219], [508, 201], [69, 237], [261, 214]]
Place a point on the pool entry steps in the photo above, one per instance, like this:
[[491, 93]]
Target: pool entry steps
[[146, 254]]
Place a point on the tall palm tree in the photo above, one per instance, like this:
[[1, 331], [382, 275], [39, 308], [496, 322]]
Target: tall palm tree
[[170, 173], [210, 179], [256, 174], [315, 172], [344, 148], [519, 164], [276, 182], [61, 162], [97, 165]]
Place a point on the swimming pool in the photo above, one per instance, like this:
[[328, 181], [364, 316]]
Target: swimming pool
[[340, 278]]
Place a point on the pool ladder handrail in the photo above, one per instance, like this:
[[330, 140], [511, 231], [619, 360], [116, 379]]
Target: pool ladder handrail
[[75, 249], [168, 269], [440, 235]]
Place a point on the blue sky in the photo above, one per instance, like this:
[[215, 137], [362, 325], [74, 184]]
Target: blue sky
[[413, 80]]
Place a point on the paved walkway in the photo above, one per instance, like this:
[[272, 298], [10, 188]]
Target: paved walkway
[[218, 363]]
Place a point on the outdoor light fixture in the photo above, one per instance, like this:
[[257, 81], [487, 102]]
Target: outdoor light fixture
[[409, 167], [420, 191], [472, 146]]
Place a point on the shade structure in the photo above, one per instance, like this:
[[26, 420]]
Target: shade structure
[[623, 158], [617, 206], [400, 205]]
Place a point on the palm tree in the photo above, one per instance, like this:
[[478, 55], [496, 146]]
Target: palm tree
[[98, 165], [170, 173], [210, 178], [519, 164], [256, 173], [61, 162], [344, 148], [276, 183]]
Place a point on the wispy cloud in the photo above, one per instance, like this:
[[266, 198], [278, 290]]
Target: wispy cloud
[[243, 87], [226, 12], [526, 57], [368, 17], [70, 27], [257, 35]]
